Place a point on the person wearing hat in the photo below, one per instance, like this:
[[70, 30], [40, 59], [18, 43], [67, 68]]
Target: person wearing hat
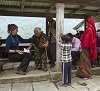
[[13, 51], [40, 41]]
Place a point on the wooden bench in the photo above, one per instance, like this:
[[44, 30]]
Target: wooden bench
[[6, 60], [2, 62]]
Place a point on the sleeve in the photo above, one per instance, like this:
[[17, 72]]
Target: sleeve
[[8, 44], [33, 39], [76, 45], [60, 45], [46, 37], [23, 40], [85, 39]]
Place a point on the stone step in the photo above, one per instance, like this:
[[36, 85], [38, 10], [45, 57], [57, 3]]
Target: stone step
[[37, 86], [9, 76], [78, 84]]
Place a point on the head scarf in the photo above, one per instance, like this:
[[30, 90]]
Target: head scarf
[[92, 25]]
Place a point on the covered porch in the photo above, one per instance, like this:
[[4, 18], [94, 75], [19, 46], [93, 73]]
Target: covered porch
[[58, 9]]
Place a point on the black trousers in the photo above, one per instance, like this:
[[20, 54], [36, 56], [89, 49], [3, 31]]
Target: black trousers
[[66, 71], [52, 53], [24, 58], [75, 57]]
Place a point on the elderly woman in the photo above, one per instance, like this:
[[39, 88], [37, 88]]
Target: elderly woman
[[40, 41], [14, 53]]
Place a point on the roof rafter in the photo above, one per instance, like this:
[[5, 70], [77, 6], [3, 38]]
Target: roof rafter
[[51, 7], [93, 13], [22, 6], [37, 15], [78, 9]]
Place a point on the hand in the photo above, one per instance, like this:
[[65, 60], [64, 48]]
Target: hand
[[28, 48], [61, 34], [45, 45], [20, 52]]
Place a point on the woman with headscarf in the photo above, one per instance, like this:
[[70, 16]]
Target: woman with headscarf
[[88, 53]]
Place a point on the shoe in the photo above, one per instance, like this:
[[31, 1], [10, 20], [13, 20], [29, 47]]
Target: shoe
[[92, 66], [45, 69], [68, 84], [62, 84], [52, 65], [74, 67], [27, 71], [85, 78], [39, 68], [20, 72], [49, 62]]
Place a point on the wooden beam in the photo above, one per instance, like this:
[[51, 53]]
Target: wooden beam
[[18, 7], [22, 6], [94, 13], [75, 16], [78, 9], [51, 7], [22, 14], [38, 15]]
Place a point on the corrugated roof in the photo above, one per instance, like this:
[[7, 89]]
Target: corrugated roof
[[39, 8]]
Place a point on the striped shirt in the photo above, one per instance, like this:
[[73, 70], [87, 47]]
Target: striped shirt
[[65, 52]]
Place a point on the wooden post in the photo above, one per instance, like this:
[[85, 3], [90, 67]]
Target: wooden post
[[85, 24], [59, 29], [48, 20]]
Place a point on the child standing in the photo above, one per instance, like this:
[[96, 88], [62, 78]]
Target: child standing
[[66, 59]]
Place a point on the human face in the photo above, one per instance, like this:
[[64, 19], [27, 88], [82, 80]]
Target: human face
[[15, 31], [63, 41], [37, 33], [86, 23]]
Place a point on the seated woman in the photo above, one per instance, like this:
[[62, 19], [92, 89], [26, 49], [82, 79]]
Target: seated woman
[[14, 53]]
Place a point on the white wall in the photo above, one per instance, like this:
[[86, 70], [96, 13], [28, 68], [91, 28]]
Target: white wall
[[81, 28], [97, 25]]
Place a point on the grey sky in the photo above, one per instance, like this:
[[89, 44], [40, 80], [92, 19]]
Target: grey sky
[[27, 24]]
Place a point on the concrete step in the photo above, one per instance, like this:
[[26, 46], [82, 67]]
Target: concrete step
[[78, 84], [9, 76]]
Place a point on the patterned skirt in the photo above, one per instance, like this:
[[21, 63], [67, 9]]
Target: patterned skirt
[[84, 65], [40, 57]]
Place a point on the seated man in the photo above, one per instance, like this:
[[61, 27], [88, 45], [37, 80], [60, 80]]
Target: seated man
[[40, 41]]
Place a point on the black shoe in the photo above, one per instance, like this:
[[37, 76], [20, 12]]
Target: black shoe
[[20, 72], [39, 68], [74, 67], [52, 65]]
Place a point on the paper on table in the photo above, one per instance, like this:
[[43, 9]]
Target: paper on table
[[27, 51]]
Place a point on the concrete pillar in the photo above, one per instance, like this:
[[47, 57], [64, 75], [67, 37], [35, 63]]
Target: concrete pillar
[[59, 29]]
